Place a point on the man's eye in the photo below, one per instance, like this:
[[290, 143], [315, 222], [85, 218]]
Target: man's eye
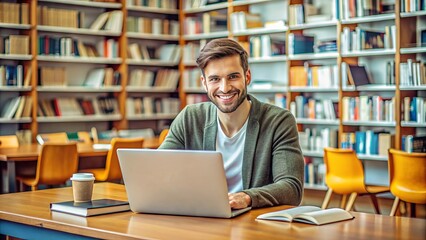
[[214, 79], [233, 76]]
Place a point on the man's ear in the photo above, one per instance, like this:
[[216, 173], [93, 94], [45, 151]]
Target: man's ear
[[203, 82], [248, 77]]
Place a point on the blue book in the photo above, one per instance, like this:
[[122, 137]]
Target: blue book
[[413, 109], [360, 142]]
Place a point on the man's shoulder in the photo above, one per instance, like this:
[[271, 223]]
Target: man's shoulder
[[198, 107]]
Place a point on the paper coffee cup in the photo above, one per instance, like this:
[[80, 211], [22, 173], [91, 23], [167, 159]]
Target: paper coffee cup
[[82, 186]]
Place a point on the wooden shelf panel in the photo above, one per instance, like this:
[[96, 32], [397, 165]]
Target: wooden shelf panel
[[206, 8], [85, 118], [413, 14], [368, 19], [309, 153], [315, 187], [161, 37], [206, 35], [250, 2], [80, 31], [259, 31], [14, 120], [313, 56], [137, 89], [369, 53], [369, 123], [15, 26], [411, 88], [157, 116], [313, 89], [81, 89], [14, 89], [375, 87], [412, 124], [413, 50], [331, 122], [18, 57], [372, 157], [152, 10], [194, 90], [273, 89], [152, 62], [94, 60], [84, 3], [330, 23], [271, 59]]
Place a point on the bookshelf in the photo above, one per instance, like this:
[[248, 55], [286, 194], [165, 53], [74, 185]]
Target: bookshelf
[[283, 71], [283, 74], [58, 32]]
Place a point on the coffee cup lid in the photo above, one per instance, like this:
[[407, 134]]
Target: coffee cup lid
[[82, 177]]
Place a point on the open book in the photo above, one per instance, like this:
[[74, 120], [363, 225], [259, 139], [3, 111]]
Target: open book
[[308, 214]]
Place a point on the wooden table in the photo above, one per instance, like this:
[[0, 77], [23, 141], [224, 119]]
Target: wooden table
[[30, 152], [27, 215]]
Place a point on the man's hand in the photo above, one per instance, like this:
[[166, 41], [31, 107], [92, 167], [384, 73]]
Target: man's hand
[[239, 200]]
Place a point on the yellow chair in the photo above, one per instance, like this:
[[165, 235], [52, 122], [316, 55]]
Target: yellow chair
[[56, 164], [60, 137], [10, 141], [112, 170], [407, 176], [163, 135], [344, 176]]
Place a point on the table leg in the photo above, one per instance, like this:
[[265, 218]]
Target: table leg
[[11, 176]]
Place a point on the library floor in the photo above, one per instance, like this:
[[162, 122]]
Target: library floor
[[362, 204]]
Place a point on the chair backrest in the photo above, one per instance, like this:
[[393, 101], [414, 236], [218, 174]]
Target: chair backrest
[[84, 137], [60, 137], [163, 135], [344, 171], [407, 175], [56, 163], [112, 165], [9, 141]]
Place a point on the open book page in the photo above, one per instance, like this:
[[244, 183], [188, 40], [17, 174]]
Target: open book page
[[323, 216], [288, 214]]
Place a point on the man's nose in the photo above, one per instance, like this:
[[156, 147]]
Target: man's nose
[[224, 85]]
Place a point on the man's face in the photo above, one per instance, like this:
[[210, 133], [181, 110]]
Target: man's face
[[226, 83]]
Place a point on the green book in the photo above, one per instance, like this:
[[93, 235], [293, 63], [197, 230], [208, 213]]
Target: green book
[[92, 208]]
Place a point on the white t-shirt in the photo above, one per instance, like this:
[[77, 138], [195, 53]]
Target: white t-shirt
[[232, 150]]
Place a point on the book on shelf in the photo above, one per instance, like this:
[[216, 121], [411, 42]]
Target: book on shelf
[[299, 44], [357, 75], [92, 208], [16, 13], [308, 214], [10, 107], [414, 143], [241, 21]]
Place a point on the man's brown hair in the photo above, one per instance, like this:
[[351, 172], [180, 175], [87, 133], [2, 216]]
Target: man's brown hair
[[220, 48]]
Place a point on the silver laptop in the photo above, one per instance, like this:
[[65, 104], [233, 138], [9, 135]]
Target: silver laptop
[[176, 182]]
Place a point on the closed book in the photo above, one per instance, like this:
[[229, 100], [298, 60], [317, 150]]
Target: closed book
[[92, 208]]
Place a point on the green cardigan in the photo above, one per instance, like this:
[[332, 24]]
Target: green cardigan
[[273, 164]]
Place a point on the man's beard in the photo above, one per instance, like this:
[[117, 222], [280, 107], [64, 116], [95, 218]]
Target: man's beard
[[229, 109]]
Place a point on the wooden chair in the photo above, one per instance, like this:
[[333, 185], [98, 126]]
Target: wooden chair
[[55, 165], [345, 175], [112, 170], [407, 176], [9, 141], [60, 137], [163, 135]]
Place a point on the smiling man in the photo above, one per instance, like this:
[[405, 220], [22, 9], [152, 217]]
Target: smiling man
[[258, 141]]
